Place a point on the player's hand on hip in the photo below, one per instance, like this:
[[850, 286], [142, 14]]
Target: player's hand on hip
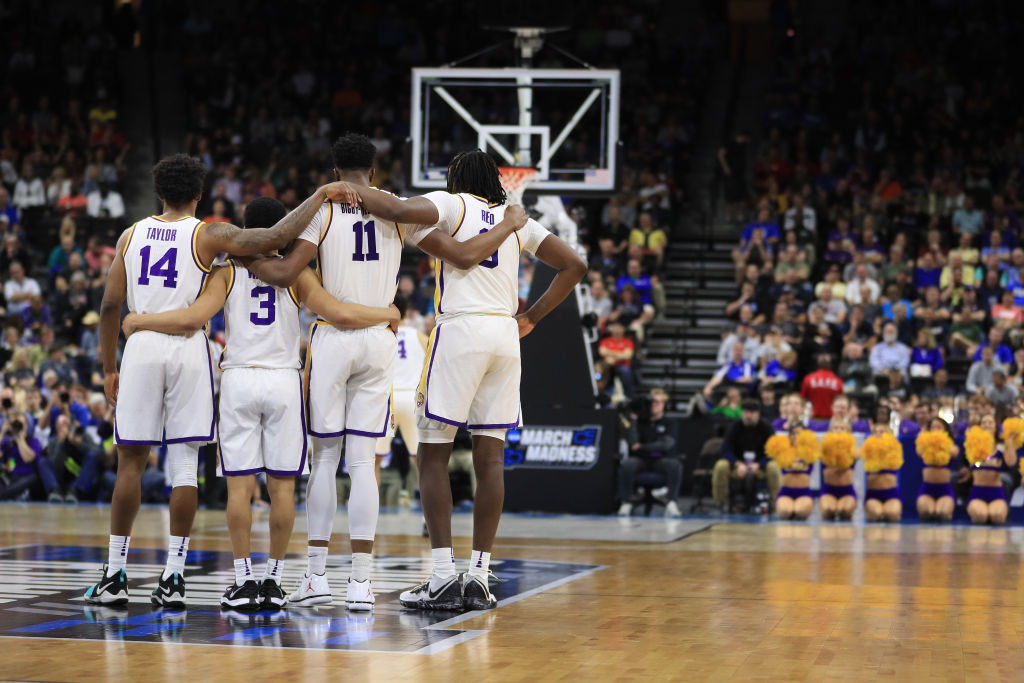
[[525, 326], [517, 215], [340, 191], [396, 318], [110, 387], [130, 324]]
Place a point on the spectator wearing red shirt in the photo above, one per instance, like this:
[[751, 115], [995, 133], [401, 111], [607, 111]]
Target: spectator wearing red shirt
[[617, 351], [821, 386]]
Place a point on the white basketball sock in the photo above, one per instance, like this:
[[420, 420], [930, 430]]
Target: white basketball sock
[[321, 491], [361, 566], [317, 559], [364, 501], [444, 564], [177, 551], [479, 563], [117, 555], [243, 570], [275, 568]]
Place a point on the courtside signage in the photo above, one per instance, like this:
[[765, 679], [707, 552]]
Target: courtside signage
[[553, 447]]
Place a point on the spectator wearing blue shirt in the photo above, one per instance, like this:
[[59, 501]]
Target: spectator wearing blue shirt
[[635, 276], [927, 273], [890, 353], [926, 357], [968, 219], [770, 228], [737, 372], [36, 314], [62, 403], [1003, 353]]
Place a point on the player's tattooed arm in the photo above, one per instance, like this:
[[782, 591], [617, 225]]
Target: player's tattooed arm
[[346, 316], [110, 318], [282, 272], [571, 270], [479, 247], [184, 321]]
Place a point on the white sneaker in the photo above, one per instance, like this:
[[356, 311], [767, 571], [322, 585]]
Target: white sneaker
[[672, 509], [313, 590], [625, 510], [359, 597]]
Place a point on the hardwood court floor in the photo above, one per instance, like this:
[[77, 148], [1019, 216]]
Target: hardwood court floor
[[731, 602]]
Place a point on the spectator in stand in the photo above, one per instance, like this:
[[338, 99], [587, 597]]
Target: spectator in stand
[[606, 261], [75, 203], [1002, 352], [990, 292], [1007, 313], [599, 303], [220, 213], [792, 259], [926, 357], [94, 252], [739, 372], [59, 256], [7, 207], [779, 370], [105, 203], [854, 287], [940, 388], [800, 217], [842, 242], [19, 290], [834, 309], [854, 369], [651, 442], [833, 281], [870, 250], [968, 219], [650, 238], [616, 230], [13, 251], [29, 191], [933, 246], [754, 252], [820, 387], [927, 273], [36, 314], [636, 277], [895, 265], [968, 274], [655, 196], [994, 248], [1000, 392], [890, 353], [741, 334], [617, 351], [979, 377], [743, 459], [22, 465], [967, 252], [632, 312], [933, 315]]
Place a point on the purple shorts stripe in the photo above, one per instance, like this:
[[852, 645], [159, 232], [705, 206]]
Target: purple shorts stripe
[[512, 425], [240, 473]]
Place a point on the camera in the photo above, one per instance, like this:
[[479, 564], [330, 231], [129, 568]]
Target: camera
[[16, 426], [79, 432], [6, 403], [65, 397]]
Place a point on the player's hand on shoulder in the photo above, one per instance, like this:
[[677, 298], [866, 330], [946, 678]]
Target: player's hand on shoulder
[[340, 191], [525, 325], [517, 214], [130, 324]]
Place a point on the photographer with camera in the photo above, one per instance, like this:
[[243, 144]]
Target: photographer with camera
[[651, 442], [62, 402], [743, 459], [21, 468], [74, 457]]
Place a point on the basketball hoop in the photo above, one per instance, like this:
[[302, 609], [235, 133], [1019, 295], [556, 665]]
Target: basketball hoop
[[515, 180]]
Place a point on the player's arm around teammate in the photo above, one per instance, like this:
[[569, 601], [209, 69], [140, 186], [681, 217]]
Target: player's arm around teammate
[[283, 272], [188, 320]]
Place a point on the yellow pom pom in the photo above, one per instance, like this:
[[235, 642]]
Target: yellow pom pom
[[808, 448], [838, 450], [882, 452], [935, 448], [978, 445], [779, 449], [1013, 432]]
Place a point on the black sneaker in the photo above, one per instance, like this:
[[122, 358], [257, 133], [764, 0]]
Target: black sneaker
[[111, 590], [272, 596], [170, 592], [476, 594], [447, 597], [244, 598]]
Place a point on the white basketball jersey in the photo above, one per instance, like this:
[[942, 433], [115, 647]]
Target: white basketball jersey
[[492, 288], [261, 324], [358, 255], [411, 357], [163, 267]]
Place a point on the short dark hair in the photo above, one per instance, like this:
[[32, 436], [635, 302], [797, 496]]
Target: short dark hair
[[402, 304], [263, 212], [178, 179], [750, 405], [476, 173], [353, 151]]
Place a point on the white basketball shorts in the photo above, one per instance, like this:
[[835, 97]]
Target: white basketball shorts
[[262, 422], [165, 390], [472, 374], [348, 376]]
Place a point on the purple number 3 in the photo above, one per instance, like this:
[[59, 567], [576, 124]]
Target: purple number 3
[[268, 299], [491, 262]]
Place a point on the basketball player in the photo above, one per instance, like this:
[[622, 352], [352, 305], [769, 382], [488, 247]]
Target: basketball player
[[166, 395], [349, 372], [412, 354], [473, 368], [262, 419]]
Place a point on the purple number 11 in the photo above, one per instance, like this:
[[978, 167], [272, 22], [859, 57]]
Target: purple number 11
[[371, 242]]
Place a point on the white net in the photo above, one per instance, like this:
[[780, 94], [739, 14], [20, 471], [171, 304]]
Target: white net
[[515, 180]]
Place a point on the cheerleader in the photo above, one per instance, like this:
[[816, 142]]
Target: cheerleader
[[791, 408], [987, 502], [795, 455], [883, 458], [935, 500], [838, 453]]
